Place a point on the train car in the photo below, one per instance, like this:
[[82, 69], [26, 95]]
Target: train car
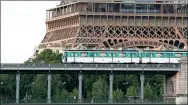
[[122, 56]]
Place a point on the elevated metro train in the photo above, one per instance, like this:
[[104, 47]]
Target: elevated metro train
[[122, 56]]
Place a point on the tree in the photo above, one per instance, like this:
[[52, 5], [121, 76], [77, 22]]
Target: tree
[[39, 89], [57, 86], [132, 91], [99, 89], [64, 94], [74, 93], [148, 92], [156, 82], [26, 84], [118, 94], [48, 56], [7, 86]]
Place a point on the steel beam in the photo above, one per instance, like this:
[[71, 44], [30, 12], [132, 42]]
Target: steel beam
[[141, 86], [17, 87], [49, 87], [111, 77], [165, 86], [80, 79]]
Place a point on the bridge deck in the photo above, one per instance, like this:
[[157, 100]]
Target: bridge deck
[[97, 104], [89, 67]]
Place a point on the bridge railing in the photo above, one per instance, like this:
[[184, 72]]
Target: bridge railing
[[64, 101]]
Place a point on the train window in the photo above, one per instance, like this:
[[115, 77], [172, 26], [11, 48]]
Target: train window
[[90, 54], [83, 54], [127, 54], [68, 54], [73, 54], [116, 54], [108, 54], [147, 55], [121, 55], [177, 55], [96, 54], [158, 55], [164, 55], [184, 54], [77, 54], [142, 54], [154, 55], [172, 55], [102, 54], [136, 55]]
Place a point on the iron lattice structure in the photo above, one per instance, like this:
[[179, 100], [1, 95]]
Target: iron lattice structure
[[113, 24]]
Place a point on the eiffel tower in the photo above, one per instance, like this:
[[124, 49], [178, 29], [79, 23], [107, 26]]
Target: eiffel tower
[[117, 23]]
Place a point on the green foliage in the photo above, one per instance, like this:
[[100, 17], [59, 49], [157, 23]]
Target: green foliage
[[64, 94], [161, 92], [48, 56], [57, 86], [74, 93], [156, 83], [99, 89], [132, 91], [26, 84], [148, 92], [117, 94], [39, 89], [7, 85]]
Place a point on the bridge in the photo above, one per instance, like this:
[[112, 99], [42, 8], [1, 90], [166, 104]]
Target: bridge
[[174, 73]]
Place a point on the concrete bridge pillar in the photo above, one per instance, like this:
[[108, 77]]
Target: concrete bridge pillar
[[169, 86], [80, 79], [181, 83], [141, 86], [175, 85], [111, 78], [49, 87], [17, 87]]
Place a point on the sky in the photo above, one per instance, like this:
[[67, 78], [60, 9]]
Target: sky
[[22, 28]]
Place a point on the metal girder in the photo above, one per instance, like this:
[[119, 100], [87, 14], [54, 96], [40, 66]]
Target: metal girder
[[90, 67]]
